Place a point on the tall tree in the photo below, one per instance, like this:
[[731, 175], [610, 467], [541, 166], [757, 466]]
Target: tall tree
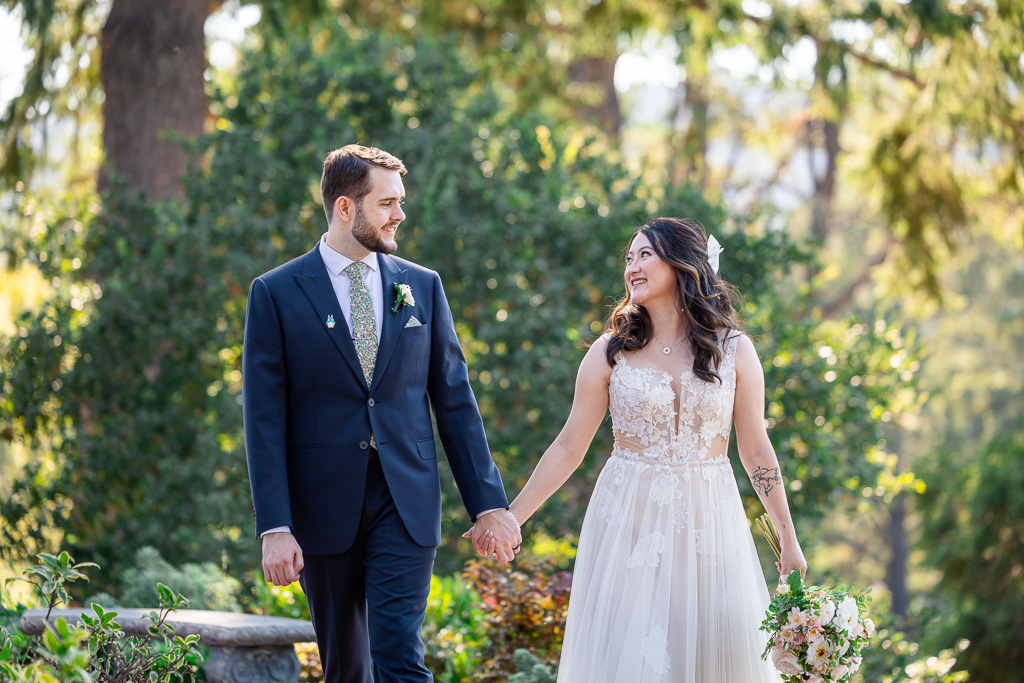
[[150, 80], [151, 69]]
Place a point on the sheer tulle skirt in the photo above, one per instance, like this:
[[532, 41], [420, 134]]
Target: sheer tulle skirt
[[667, 585]]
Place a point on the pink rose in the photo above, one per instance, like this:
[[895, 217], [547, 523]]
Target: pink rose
[[796, 618]]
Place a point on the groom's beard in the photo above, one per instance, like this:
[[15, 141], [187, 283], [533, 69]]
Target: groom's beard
[[370, 237]]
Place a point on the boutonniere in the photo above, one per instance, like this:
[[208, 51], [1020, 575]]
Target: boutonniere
[[404, 298]]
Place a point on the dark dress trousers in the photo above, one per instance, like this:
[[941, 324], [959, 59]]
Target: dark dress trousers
[[367, 528]]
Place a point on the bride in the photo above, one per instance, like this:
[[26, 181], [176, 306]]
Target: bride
[[667, 586]]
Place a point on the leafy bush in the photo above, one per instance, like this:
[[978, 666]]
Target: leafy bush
[[278, 601], [454, 629], [205, 585], [525, 604], [530, 669], [973, 532], [96, 649], [896, 658]]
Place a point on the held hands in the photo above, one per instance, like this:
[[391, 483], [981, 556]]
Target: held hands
[[496, 534], [282, 558], [792, 560]]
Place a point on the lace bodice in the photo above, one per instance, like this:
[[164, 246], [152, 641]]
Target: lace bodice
[[646, 422]]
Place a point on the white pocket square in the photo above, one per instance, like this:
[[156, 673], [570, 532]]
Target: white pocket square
[[413, 322]]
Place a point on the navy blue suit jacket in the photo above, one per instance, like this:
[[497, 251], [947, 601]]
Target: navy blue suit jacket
[[308, 413]]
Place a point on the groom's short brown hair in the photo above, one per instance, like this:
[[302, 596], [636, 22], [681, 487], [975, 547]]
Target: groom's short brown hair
[[347, 173]]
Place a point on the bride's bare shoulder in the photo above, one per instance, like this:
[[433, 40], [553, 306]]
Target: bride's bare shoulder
[[596, 360]]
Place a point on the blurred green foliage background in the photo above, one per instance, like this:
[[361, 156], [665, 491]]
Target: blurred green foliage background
[[861, 162]]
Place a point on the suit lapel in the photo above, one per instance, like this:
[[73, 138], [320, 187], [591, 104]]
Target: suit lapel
[[393, 322], [316, 285]]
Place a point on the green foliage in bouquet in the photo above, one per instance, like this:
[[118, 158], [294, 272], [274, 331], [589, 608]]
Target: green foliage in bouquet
[[96, 649], [525, 605], [817, 633]]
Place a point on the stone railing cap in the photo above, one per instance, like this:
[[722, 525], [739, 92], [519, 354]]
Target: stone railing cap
[[224, 629]]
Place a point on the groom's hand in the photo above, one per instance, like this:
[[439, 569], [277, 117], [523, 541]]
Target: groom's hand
[[498, 533], [282, 558]]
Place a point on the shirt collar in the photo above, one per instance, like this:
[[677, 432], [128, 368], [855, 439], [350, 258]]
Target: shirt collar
[[336, 263]]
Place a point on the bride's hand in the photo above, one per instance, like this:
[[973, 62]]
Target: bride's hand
[[792, 560], [486, 545]]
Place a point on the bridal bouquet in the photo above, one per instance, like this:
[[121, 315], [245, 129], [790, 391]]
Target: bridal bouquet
[[817, 633]]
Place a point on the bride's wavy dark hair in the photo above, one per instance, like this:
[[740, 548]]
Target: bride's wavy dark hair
[[705, 300]]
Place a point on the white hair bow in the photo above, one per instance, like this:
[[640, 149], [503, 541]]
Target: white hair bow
[[714, 250]]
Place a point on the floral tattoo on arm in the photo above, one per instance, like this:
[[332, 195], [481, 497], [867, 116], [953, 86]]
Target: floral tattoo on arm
[[764, 480]]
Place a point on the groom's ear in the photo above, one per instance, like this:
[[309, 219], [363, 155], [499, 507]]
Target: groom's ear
[[344, 208]]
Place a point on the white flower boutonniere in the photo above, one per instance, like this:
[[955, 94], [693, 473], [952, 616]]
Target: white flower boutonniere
[[404, 298]]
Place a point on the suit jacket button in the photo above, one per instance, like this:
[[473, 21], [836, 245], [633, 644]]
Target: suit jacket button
[[370, 402], [364, 445]]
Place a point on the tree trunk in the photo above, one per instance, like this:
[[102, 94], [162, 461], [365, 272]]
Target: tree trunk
[[896, 569], [822, 134], [153, 58], [896, 538], [597, 73]]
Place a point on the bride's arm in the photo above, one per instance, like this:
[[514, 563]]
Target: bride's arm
[[758, 456], [565, 454]]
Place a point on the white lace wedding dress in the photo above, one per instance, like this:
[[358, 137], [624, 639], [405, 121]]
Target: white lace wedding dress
[[667, 586]]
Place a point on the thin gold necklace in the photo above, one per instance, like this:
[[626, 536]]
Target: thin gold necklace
[[665, 349]]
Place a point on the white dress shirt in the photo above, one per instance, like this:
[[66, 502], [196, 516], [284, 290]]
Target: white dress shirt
[[336, 264]]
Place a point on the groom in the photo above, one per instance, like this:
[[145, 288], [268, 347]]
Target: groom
[[347, 350]]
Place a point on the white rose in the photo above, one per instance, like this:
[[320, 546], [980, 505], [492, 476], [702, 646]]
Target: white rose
[[828, 611], [405, 295], [847, 614], [839, 671], [869, 627], [786, 663]]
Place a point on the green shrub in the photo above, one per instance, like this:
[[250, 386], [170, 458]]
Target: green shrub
[[530, 669], [278, 601], [205, 585], [453, 631], [972, 515]]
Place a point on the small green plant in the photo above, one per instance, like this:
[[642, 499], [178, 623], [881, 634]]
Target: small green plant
[[530, 669], [96, 649], [51, 575]]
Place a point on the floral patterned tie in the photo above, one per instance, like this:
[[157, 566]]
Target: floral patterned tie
[[364, 329]]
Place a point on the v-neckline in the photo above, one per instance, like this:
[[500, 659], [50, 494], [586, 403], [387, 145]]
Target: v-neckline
[[677, 396]]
